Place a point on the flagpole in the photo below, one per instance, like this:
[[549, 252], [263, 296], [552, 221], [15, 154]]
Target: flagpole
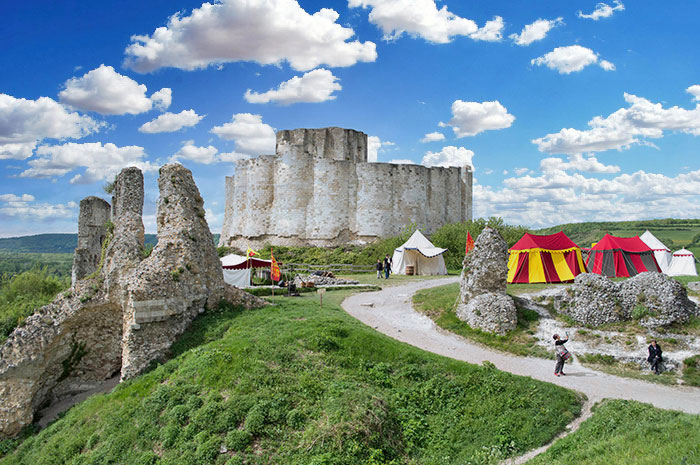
[[272, 280]]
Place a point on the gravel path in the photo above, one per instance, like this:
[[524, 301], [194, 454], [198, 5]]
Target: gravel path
[[390, 311]]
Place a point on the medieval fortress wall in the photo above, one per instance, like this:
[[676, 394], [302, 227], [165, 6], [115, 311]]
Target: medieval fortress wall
[[319, 189]]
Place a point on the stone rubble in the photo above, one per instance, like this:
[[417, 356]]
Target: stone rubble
[[322, 280], [129, 310], [483, 302], [656, 299]]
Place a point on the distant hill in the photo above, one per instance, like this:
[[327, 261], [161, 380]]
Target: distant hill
[[675, 234], [54, 243]]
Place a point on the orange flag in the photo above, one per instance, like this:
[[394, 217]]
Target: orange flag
[[274, 268], [470, 243]]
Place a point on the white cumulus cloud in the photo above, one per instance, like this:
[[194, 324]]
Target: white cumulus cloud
[[567, 60], [603, 10], [374, 145], [577, 162], [107, 92], [640, 121], [100, 161], [313, 87], [171, 122], [472, 118], [24, 206], [535, 31], [449, 156], [694, 90], [433, 137], [492, 31], [556, 197], [189, 151], [422, 18], [162, 98], [24, 123], [251, 135], [267, 32]]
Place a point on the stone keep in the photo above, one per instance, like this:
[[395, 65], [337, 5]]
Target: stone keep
[[483, 302], [319, 189], [129, 310]]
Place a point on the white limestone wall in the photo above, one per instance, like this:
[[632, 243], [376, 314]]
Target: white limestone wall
[[293, 189], [259, 175], [314, 192], [330, 209], [374, 211]]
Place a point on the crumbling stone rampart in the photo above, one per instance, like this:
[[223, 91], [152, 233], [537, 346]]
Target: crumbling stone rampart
[[319, 189], [180, 278], [129, 311], [95, 214], [483, 302]]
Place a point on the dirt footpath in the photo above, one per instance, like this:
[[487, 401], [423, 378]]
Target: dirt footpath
[[391, 312]]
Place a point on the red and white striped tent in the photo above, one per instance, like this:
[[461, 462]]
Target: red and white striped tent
[[621, 257]]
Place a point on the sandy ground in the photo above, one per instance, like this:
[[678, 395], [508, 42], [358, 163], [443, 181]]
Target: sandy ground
[[390, 311]]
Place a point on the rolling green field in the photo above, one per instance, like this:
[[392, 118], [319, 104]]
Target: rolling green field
[[298, 384]]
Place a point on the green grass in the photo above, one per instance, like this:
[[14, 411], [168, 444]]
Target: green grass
[[608, 364], [439, 302], [630, 433], [23, 294], [691, 370], [297, 384], [394, 279]]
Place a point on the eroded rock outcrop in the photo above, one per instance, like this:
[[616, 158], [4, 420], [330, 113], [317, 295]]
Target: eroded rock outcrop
[[483, 302], [95, 214], [654, 298], [129, 311], [592, 300], [179, 280]]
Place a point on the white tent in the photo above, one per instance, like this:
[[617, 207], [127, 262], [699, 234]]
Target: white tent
[[421, 254], [661, 252], [237, 268], [683, 264]]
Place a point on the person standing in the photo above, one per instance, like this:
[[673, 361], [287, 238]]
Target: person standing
[[655, 356], [387, 267], [562, 354], [379, 268]]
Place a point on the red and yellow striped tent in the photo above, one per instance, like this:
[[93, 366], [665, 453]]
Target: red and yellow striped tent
[[544, 259]]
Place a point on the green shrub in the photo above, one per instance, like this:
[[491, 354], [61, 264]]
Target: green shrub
[[640, 311], [691, 370], [238, 439]]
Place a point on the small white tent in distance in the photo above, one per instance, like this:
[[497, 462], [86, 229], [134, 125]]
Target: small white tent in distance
[[237, 269], [683, 264], [419, 255], [661, 252]]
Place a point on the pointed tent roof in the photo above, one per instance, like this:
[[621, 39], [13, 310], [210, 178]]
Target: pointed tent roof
[[628, 244], [557, 241], [683, 264], [419, 242], [239, 262], [653, 243]]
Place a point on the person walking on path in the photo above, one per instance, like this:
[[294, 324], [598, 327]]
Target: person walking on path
[[387, 267], [379, 268], [562, 354], [655, 356]]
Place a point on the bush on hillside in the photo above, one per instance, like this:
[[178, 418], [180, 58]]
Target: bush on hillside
[[23, 294]]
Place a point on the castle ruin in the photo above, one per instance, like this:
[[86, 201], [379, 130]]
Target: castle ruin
[[124, 310], [320, 190]]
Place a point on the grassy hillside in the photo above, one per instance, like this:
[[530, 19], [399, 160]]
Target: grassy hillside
[[298, 384], [629, 432], [674, 233]]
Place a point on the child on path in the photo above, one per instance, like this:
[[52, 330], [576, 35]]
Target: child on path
[[379, 268], [562, 354]]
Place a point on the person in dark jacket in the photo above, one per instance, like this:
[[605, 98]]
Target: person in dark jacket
[[387, 267], [654, 356], [562, 354], [379, 268]]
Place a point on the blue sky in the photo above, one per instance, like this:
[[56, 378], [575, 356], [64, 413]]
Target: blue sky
[[568, 111]]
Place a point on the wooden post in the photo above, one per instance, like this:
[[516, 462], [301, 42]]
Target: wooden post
[[320, 292]]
